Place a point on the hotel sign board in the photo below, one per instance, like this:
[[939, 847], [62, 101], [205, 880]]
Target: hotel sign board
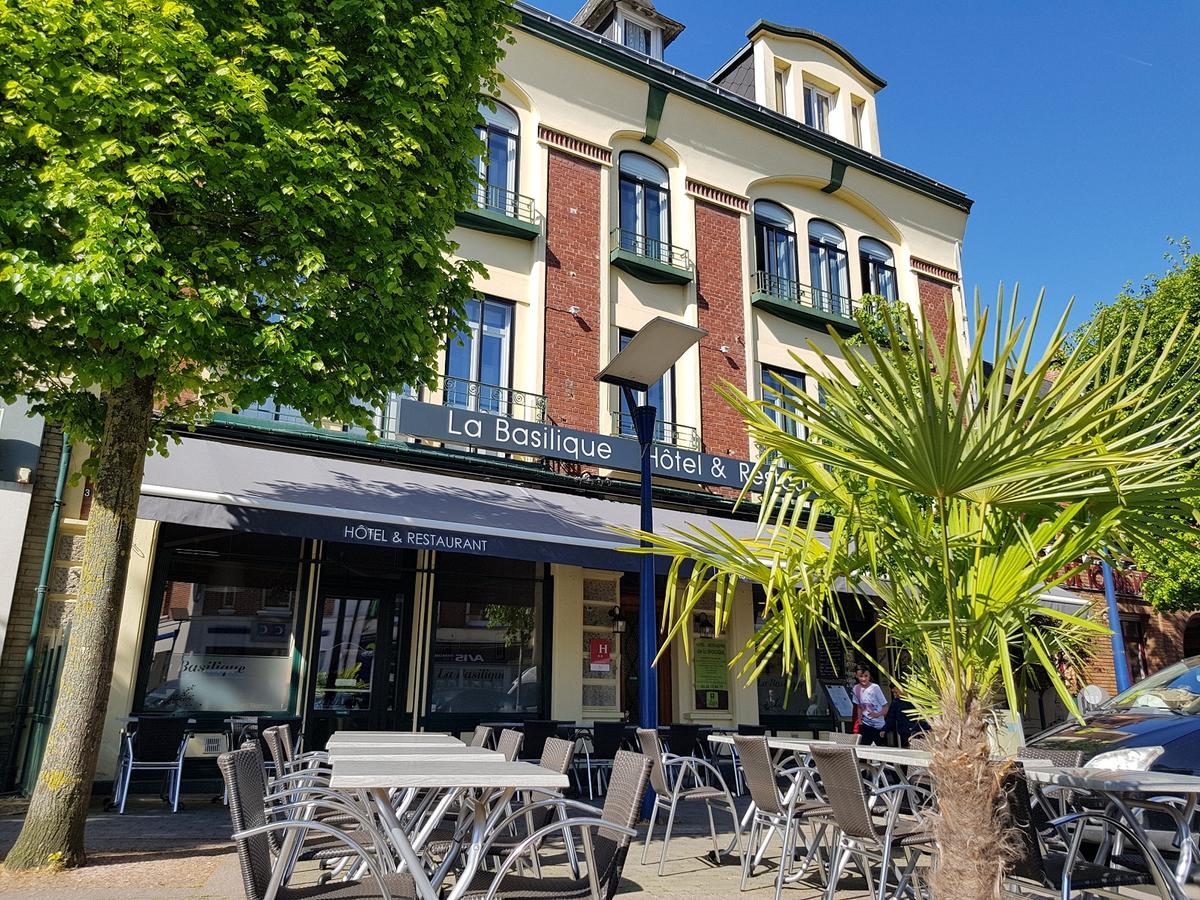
[[496, 432]]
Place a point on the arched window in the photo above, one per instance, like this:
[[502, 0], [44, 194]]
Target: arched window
[[497, 166], [775, 250], [878, 268], [645, 214], [830, 270]]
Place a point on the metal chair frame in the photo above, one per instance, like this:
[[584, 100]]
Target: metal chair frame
[[670, 790], [127, 764]]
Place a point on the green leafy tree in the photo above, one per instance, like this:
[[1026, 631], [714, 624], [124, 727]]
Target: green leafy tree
[[951, 502], [1162, 301], [203, 204]]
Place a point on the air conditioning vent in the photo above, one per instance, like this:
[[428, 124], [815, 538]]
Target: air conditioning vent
[[214, 745]]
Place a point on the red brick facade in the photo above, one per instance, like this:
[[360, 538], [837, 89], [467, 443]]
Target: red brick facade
[[937, 299], [719, 292], [572, 279], [1154, 640]]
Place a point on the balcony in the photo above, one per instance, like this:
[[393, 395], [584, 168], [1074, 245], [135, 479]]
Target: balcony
[[670, 434], [802, 304], [501, 211], [475, 396], [459, 393], [650, 260]]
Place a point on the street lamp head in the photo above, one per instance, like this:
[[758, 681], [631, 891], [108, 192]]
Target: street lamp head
[[649, 353]]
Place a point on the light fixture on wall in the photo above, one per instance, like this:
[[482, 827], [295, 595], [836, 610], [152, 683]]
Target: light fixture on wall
[[573, 310], [618, 620], [725, 349]]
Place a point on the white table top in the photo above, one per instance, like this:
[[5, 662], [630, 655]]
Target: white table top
[[394, 739], [416, 753], [1116, 781], [374, 772]]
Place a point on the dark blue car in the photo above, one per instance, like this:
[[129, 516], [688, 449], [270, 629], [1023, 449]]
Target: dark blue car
[[1155, 725]]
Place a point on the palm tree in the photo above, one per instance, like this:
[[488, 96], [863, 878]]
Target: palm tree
[[949, 494]]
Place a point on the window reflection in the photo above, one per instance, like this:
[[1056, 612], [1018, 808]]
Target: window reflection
[[226, 621], [487, 636]]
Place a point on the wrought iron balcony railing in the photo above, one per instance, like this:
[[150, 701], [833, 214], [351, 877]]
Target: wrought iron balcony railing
[[651, 249], [671, 434], [790, 291], [498, 199], [459, 393]]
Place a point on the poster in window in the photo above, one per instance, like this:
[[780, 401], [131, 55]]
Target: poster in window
[[600, 654], [710, 666]]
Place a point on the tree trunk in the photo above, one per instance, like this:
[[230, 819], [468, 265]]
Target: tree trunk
[[973, 844], [52, 834]]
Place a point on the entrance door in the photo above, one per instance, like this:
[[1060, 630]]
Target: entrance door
[[631, 653], [354, 679]]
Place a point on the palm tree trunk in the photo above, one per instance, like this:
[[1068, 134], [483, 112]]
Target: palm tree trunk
[[973, 846], [52, 834]]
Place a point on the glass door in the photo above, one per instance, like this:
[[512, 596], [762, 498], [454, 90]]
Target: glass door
[[354, 680]]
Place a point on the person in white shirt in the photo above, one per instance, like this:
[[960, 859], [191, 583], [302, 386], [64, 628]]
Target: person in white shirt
[[872, 707]]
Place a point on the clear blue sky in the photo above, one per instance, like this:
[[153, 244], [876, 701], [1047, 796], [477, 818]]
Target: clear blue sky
[[1074, 126]]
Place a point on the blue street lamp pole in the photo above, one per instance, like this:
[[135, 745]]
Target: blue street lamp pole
[[643, 425], [639, 365], [1120, 660]]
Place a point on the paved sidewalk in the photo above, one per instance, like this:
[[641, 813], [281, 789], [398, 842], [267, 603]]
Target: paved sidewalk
[[150, 854]]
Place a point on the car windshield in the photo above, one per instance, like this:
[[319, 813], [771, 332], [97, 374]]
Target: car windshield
[[1175, 688]]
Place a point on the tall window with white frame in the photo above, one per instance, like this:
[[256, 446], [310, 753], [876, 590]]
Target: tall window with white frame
[[661, 396], [637, 37], [778, 389], [479, 358], [645, 207], [830, 270], [497, 165], [857, 123], [781, 90], [878, 268], [818, 103], [775, 250]]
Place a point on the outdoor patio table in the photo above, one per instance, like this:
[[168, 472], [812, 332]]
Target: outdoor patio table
[[414, 752], [364, 739], [481, 782], [1119, 788]]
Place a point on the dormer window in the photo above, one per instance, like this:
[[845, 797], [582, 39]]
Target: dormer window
[[637, 37], [634, 24], [817, 107]]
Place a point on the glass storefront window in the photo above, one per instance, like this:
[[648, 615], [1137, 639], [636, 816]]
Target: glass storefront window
[[226, 623], [487, 640]]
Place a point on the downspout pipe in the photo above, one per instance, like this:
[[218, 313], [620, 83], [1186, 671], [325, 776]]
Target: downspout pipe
[[39, 608]]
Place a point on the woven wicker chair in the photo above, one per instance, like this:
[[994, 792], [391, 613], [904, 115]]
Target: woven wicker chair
[[861, 837], [257, 840], [840, 737], [1049, 873], [669, 777], [778, 813], [482, 736], [605, 837], [509, 743], [607, 738]]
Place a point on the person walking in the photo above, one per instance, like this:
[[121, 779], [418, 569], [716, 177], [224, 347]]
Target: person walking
[[900, 719], [871, 706]]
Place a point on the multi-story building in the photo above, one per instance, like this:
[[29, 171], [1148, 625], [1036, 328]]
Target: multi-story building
[[464, 568]]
